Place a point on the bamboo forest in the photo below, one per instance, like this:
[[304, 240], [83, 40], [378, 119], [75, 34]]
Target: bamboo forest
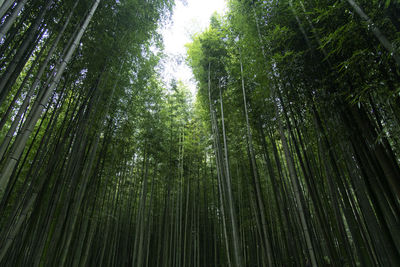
[[288, 154]]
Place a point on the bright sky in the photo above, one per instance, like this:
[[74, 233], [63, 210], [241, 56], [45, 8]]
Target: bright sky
[[189, 17]]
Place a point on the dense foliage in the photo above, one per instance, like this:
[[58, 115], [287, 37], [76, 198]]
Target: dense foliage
[[309, 92], [289, 156]]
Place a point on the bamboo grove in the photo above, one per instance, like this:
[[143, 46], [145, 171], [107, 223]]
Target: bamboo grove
[[289, 156]]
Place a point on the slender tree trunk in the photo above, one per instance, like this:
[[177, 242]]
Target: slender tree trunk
[[4, 6], [290, 164], [232, 212], [23, 54], [377, 32], [19, 144], [10, 20], [219, 167], [260, 202], [6, 141]]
